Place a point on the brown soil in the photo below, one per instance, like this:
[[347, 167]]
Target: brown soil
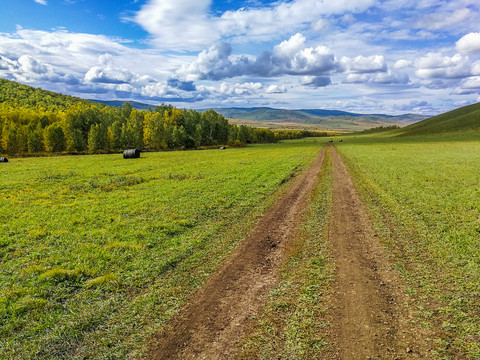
[[370, 318], [218, 315]]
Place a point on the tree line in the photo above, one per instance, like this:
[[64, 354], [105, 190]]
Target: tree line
[[45, 123]]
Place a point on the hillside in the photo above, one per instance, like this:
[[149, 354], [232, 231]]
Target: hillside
[[461, 119], [16, 94]]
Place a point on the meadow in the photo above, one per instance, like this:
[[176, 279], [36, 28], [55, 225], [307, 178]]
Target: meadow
[[424, 194], [98, 252]]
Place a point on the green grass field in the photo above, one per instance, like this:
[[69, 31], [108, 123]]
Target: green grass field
[[425, 194], [97, 252]]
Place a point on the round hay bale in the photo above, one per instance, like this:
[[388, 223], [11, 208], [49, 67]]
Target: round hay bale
[[3, 159], [131, 154]]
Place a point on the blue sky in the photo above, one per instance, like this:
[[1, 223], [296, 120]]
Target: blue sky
[[369, 56]]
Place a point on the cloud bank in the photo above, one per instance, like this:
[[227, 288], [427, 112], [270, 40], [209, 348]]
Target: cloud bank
[[340, 54]]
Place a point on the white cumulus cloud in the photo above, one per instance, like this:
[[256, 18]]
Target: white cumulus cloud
[[28, 69], [469, 44], [178, 24], [78, 62], [315, 81], [107, 72], [7, 64], [190, 25], [402, 64], [284, 17], [154, 90], [471, 83], [276, 89], [237, 89], [437, 66], [476, 68], [291, 57], [377, 78], [29, 64], [361, 64], [107, 75]]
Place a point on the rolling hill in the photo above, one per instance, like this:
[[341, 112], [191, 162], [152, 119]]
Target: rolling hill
[[461, 119], [271, 114], [18, 94], [324, 119]]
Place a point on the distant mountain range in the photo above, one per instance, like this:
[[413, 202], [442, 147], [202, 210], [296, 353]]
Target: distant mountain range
[[314, 118], [270, 114], [118, 103], [326, 119]]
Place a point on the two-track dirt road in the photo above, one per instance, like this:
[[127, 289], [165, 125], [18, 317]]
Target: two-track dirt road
[[369, 320]]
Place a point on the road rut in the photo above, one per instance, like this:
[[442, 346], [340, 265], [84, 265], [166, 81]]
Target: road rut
[[369, 317], [217, 316]]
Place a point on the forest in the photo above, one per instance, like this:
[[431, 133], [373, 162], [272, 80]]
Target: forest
[[34, 121]]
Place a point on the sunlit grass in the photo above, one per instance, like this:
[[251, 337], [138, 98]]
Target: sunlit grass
[[97, 252]]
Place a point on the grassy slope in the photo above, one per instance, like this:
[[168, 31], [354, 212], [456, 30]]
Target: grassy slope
[[98, 252], [423, 192], [464, 118]]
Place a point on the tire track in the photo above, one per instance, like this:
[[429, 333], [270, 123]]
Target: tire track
[[218, 315], [369, 318]]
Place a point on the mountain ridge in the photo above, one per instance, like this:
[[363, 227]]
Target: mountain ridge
[[325, 119]]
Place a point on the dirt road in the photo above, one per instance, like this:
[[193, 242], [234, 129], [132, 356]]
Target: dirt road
[[218, 314], [369, 319]]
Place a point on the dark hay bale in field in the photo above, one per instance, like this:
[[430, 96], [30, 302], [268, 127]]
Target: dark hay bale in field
[[3, 159], [222, 148], [131, 154], [340, 140]]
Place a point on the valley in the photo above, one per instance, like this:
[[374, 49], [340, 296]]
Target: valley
[[302, 244]]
